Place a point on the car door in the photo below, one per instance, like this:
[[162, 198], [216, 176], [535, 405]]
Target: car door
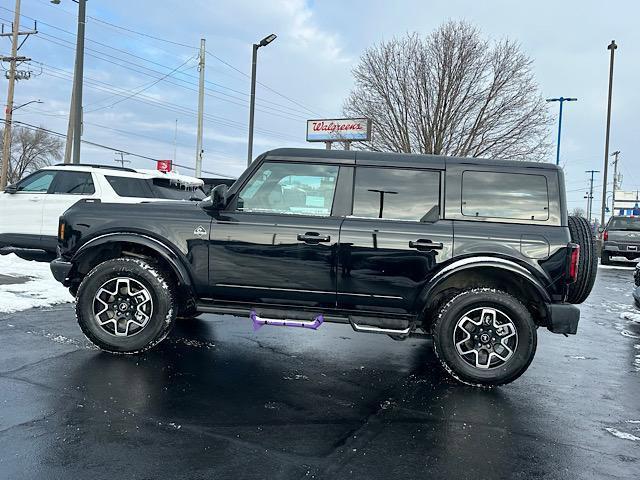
[[67, 188], [393, 241], [277, 240], [22, 211]]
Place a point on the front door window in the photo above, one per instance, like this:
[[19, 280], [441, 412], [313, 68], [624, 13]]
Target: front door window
[[290, 188], [37, 183]]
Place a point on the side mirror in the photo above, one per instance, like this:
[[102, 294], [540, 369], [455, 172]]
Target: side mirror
[[11, 189], [217, 200]]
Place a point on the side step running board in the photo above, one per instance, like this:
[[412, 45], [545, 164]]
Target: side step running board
[[387, 326], [283, 322]]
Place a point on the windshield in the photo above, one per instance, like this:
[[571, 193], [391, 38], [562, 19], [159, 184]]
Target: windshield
[[625, 223], [165, 188]]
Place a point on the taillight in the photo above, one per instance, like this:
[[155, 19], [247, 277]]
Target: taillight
[[573, 263], [605, 236]]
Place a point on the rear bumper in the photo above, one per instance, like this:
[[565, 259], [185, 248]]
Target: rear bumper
[[563, 318], [60, 270], [614, 247]]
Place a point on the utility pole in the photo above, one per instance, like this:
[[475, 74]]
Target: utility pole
[[13, 59], [68, 146], [200, 109], [612, 47], [78, 75], [121, 160], [589, 196], [615, 180]]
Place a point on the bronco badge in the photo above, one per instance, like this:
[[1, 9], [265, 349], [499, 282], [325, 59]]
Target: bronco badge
[[199, 231]]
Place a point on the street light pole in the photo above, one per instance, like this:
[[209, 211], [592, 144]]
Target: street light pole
[[252, 103], [612, 47], [561, 100]]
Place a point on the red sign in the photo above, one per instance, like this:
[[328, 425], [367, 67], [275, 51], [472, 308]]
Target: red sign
[[163, 166]]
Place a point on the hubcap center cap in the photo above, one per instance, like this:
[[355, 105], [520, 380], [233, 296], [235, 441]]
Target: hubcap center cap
[[485, 338], [124, 306]]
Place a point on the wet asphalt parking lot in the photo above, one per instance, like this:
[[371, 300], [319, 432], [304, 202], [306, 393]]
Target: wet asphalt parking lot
[[218, 401]]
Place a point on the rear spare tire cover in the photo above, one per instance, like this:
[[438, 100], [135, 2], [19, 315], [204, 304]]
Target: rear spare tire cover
[[588, 262]]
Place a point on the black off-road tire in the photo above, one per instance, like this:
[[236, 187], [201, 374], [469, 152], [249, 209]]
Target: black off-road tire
[[605, 258], [587, 263], [163, 298], [452, 361]]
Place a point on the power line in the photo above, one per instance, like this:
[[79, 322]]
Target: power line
[[103, 86], [270, 110], [164, 66], [113, 149], [263, 85], [112, 25], [142, 89], [291, 114]]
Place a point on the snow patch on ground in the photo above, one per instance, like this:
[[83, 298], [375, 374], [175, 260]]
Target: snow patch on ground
[[62, 340], [193, 343], [627, 333], [41, 290], [633, 316], [616, 267], [623, 435]]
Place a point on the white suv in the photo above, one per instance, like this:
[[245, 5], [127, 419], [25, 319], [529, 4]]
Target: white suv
[[29, 209]]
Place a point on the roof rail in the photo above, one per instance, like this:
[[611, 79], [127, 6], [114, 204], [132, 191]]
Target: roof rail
[[96, 165]]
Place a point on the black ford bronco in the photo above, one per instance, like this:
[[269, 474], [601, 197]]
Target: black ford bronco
[[476, 254]]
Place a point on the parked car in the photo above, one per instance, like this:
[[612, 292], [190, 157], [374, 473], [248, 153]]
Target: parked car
[[620, 238], [30, 209], [475, 253], [636, 292]]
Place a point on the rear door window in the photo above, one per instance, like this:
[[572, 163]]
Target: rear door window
[[73, 183], [505, 195], [130, 187], [397, 194], [166, 188]]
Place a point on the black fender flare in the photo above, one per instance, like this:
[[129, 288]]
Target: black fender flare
[[182, 273], [483, 262]]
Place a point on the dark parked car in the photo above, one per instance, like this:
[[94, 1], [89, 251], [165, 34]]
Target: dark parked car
[[475, 253], [620, 238]]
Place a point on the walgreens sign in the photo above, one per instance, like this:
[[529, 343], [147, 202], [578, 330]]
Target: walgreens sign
[[339, 129]]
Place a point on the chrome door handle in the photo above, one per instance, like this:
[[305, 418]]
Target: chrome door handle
[[423, 244], [313, 237]]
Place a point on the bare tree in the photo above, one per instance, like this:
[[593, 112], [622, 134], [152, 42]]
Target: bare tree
[[32, 149], [578, 212], [451, 93]]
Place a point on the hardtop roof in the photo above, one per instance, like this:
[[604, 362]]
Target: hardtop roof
[[363, 157]]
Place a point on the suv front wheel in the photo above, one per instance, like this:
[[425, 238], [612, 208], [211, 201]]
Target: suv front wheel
[[126, 305], [484, 337]]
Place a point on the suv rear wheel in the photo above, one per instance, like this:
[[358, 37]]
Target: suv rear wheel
[[126, 305], [484, 337]]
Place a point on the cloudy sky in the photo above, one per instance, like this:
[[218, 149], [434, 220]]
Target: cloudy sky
[[306, 72]]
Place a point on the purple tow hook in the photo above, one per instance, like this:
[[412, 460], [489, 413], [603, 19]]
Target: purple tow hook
[[259, 322]]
